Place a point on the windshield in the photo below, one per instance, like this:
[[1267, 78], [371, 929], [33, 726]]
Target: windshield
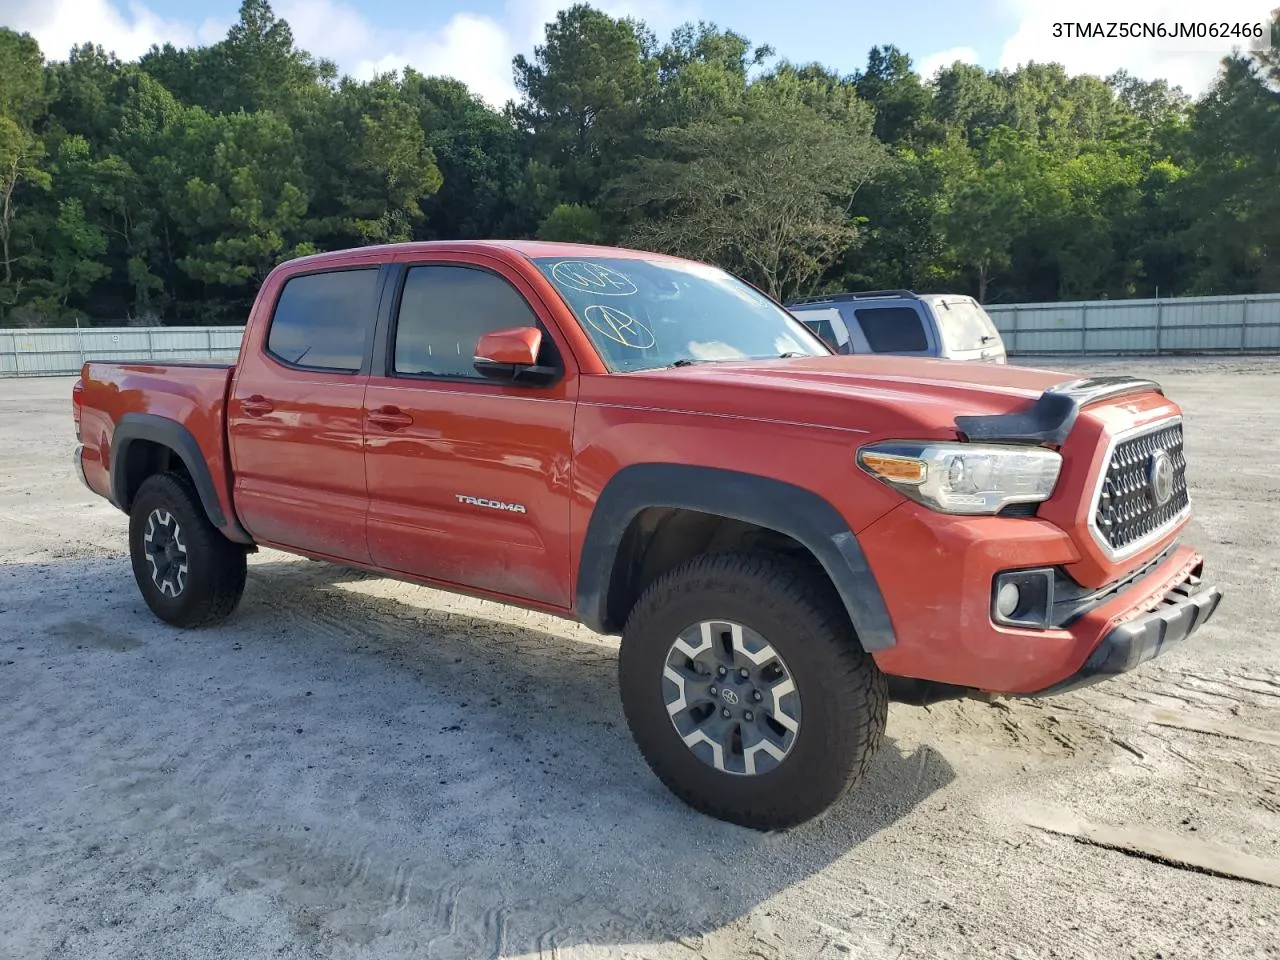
[[964, 324], [644, 314]]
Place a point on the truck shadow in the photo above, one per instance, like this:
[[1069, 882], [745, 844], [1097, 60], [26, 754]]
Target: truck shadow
[[404, 775]]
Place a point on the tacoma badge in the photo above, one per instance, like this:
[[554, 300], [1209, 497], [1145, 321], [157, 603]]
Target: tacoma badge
[[491, 504]]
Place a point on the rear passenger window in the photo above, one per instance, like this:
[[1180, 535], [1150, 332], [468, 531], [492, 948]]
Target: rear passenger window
[[892, 329], [322, 319], [829, 326], [444, 310]]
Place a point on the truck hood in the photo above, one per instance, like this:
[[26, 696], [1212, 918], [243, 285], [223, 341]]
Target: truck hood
[[858, 392]]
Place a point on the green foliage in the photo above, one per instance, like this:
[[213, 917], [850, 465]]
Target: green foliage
[[67, 263], [168, 187], [1236, 140], [482, 164], [585, 92], [990, 204], [23, 95], [20, 156], [245, 201], [374, 167], [895, 92], [572, 223], [766, 193]]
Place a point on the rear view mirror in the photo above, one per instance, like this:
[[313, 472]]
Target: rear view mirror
[[512, 354]]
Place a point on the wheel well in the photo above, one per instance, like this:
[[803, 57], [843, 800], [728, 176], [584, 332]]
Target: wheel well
[[145, 458], [659, 539]]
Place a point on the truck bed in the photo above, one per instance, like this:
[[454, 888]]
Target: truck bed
[[185, 400]]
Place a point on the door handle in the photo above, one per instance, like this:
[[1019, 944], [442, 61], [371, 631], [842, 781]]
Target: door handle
[[390, 418], [257, 406]]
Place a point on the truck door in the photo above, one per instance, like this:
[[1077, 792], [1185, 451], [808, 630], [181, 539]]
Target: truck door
[[469, 478], [295, 421]]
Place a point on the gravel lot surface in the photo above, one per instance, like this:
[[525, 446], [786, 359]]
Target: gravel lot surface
[[356, 768]]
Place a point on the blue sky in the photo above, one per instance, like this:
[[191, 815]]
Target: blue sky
[[835, 32], [475, 40]]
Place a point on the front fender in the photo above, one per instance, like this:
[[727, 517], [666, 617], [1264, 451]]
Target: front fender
[[774, 504]]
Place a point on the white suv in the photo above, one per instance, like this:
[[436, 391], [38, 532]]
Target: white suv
[[945, 325]]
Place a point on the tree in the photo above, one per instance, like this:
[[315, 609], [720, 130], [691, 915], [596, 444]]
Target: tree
[[702, 73], [572, 223], [242, 196], [585, 92], [148, 146], [765, 194], [970, 101], [20, 156], [1235, 147], [374, 167], [23, 96], [904, 242], [894, 90], [987, 207], [483, 166], [65, 260], [23, 101], [168, 186], [87, 95], [256, 67]]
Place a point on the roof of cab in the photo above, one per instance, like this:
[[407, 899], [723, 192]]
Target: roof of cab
[[529, 249]]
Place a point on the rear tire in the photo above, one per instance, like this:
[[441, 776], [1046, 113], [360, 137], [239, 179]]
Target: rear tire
[[766, 632], [190, 575]]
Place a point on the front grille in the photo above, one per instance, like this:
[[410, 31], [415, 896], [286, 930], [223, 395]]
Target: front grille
[[1127, 512]]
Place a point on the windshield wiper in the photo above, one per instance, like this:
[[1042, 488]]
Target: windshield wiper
[[686, 362], [793, 353]]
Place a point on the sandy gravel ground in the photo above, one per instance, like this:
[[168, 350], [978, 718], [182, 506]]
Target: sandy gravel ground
[[354, 768]]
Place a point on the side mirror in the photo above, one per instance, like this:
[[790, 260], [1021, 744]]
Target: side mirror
[[512, 354]]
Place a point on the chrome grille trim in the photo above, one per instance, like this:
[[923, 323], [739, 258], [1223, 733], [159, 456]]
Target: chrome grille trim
[[1113, 473]]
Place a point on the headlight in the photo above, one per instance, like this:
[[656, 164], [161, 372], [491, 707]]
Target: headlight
[[968, 478]]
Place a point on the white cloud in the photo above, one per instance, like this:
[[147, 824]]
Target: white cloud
[[127, 30], [934, 62], [474, 48], [1189, 63]]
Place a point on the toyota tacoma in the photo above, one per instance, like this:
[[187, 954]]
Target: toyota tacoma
[[784, 538]]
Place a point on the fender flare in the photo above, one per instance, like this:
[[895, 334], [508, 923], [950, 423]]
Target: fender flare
[[799, 513], [169, 433]]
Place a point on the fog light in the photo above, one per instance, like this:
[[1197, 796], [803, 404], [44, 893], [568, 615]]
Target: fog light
[[1023, 598], [1007, 600]]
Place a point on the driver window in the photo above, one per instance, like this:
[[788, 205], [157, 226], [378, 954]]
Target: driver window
[[444, 310]]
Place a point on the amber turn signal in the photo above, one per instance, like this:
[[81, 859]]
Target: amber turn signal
[[892, 467]]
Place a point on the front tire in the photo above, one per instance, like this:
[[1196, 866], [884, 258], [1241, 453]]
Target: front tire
[[747, 691], [190, 575]]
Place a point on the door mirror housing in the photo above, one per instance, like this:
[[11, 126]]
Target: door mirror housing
[[512, 354]]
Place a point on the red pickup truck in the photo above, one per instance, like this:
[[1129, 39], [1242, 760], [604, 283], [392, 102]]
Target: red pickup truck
[[785, 538]]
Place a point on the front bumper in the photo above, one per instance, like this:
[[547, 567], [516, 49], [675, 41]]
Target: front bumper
[[936, 575], [1182, 611]]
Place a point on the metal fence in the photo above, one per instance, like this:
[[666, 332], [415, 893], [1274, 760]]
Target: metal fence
[[50, 351], [1242, 324], [1097, 327]]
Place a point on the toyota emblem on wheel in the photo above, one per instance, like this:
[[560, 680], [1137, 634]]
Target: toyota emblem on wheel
[[728, 696]]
